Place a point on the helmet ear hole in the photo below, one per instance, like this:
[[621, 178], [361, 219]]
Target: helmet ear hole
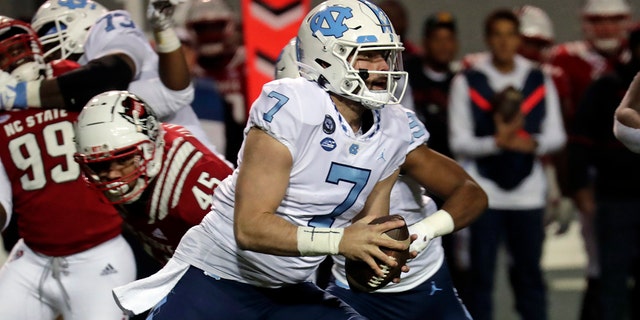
[[323, 64]]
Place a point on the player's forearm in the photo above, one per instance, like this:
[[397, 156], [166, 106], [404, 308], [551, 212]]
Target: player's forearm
[[172, 65], [464, 198], [466, 203], [632, 97], [173, 70], [267, 233]]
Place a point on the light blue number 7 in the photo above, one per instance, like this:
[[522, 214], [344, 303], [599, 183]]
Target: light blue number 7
[[282, 99], [340, 172]]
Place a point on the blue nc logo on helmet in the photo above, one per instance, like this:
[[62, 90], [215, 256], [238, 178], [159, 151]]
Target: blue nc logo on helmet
[[330, 22], [74, 4]]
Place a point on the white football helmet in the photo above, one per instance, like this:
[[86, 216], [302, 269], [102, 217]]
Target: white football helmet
[[20, 50], [63, 25], [331, 37], [535, 23], [607, 39], [606, 8], [119, 126], [287, 64]]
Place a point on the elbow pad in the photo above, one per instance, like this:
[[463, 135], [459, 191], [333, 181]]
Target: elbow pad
[[110, 72]]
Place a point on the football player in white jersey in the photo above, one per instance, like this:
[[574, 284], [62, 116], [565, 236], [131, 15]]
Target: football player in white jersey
[[428, 283], [113, 54], [319, 152]]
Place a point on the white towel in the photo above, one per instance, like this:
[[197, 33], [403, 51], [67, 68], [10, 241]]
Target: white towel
[[141, 295]]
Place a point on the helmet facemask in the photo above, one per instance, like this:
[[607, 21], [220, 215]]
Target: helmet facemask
[[129, 186], [20, 51]]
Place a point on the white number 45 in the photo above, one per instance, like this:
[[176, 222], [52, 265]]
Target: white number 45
[[205, 198]]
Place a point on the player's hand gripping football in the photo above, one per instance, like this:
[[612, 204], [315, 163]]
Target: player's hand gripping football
[[160, 13], [362, 241]]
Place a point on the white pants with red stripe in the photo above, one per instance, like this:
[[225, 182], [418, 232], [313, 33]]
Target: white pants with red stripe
[[36, 286]]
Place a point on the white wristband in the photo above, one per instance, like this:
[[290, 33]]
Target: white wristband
[[167, 41], [33, 93], [630, 137], [319, 241]]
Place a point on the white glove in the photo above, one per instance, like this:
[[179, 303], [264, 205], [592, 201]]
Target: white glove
[[8, 90], [160, 13]]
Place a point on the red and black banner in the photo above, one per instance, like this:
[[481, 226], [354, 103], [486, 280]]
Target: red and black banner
[[268, 25]]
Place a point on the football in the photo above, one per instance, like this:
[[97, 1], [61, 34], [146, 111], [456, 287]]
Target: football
[[507, 103], [362, 278]]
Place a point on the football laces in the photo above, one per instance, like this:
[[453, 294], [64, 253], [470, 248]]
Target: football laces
[[375, 281]]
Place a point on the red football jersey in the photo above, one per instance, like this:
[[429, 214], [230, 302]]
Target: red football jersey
[[58, 213], [582, 64], [179, 196], [231, 82]]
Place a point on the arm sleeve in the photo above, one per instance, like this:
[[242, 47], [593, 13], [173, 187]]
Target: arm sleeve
[[461, 137], [106, 73], [552, 136], [6, 193], [277, 112]]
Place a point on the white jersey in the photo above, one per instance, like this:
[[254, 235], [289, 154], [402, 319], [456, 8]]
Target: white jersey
[[333, 172], [115, 32], [409, 201]]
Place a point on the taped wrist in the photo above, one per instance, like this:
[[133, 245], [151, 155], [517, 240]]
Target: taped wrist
[[435, 225], [167, 41], [319, 241], [110, 72], [27, 94]]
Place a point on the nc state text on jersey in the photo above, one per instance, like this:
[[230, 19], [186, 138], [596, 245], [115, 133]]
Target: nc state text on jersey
[[15, 127]]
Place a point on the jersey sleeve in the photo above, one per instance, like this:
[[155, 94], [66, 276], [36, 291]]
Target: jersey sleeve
[[277, 111], [419, 133], [115, 32], [5, 195]]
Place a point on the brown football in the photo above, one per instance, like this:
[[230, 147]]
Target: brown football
[[507, 103], [362, 278]]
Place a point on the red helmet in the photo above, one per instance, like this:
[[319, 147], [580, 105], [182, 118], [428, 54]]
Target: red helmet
[[20, 50]]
